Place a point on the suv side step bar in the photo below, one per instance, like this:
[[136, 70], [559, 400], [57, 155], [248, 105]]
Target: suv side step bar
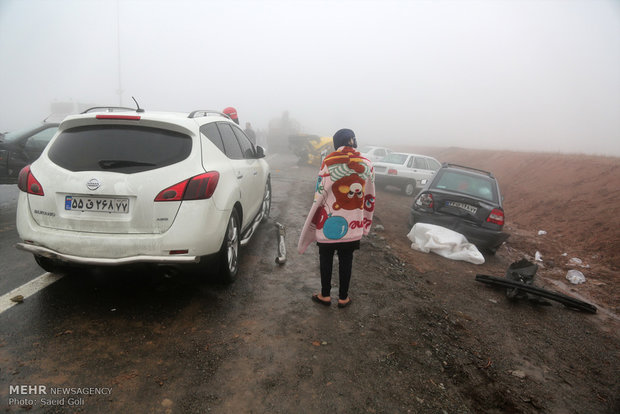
[[249, 232]]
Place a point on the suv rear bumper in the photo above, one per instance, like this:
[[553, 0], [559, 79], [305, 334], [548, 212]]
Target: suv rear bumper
[[99, 261], [197, 231]]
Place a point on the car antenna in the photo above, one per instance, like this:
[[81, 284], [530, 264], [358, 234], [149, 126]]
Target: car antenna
[[139, 109]]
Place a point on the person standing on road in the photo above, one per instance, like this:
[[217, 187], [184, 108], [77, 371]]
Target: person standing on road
[[341, 213], [250, 133]]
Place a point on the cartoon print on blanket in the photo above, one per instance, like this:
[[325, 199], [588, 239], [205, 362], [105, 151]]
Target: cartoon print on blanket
[[343, 205]]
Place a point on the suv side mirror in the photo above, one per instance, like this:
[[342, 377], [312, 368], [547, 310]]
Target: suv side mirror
[[260, 152]]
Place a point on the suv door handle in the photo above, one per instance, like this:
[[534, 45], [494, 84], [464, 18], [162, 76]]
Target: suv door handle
[[239, 175]]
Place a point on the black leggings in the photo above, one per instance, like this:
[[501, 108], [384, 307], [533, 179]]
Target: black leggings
[[345, 264]]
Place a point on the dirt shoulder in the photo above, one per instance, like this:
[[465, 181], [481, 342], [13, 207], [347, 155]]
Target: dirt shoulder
[[424, 337]]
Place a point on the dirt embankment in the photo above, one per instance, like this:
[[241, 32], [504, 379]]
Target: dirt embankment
[[573, 198]]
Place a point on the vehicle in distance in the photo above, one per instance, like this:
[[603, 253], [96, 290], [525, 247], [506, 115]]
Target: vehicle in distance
[[133, 187], [465, 200], [406, 171], [310, 149], [373, 153], [20, 148]]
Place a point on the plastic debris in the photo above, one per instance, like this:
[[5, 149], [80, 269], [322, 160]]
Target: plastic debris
[[538, 257], [575, 277], [575, 261], [541, 232]]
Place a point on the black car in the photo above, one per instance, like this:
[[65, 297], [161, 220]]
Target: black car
[[465, 200], [20, 148]]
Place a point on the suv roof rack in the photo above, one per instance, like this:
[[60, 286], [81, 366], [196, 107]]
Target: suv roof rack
[[206, 112], [447, 164], [107, 109]]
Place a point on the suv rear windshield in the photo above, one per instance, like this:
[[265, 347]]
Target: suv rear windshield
[[120, 148], [472, 185]]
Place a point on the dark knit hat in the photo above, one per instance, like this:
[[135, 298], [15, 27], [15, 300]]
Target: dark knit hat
[[342, 137]]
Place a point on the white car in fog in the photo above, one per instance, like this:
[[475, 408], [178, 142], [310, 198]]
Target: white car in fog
[[406, 171], [374, 153], [117, 187]]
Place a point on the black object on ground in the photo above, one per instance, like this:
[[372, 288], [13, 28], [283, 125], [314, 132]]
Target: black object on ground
[[519, 283], [565, 300], [522, 271], [281, 235]]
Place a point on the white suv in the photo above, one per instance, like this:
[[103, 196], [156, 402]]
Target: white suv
[[117, 186], [407, 171]]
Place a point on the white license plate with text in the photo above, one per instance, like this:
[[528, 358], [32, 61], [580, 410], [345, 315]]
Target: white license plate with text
[[101, 204], [463, 206]]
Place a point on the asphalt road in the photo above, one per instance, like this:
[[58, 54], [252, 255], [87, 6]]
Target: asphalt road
[[16, 267], [80, 331]]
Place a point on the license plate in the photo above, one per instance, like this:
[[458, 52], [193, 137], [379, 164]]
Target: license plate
[[106, 205], [463, 206]]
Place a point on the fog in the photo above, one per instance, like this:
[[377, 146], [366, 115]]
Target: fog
[[539, 75]]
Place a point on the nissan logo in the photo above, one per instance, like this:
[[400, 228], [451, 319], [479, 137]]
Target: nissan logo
[[93, 184]]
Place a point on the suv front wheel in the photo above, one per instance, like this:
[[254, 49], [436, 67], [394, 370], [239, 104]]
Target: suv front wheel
[[266, 201]]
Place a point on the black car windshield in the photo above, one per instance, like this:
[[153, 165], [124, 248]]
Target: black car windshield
[[120, 148], [395, 158], [472, 185]]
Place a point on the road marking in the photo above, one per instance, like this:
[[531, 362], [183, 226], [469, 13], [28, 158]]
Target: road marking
[[28, 289]]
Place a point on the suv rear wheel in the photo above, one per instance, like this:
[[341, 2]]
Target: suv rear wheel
[[229, 252]]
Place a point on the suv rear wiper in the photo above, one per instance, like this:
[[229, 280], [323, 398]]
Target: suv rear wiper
[[108, 164]]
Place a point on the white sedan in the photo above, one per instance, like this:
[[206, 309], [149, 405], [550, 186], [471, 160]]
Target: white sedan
[[118, 186], [406, 171]]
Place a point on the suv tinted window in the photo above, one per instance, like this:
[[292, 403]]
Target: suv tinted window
[[120, 148], [246, 145], [211, 132], [233, 150]]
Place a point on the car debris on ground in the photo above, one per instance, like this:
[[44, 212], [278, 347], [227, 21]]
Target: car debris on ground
[[519, 283]]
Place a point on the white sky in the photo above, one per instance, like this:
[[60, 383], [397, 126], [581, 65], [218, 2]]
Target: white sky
[[532, 75]]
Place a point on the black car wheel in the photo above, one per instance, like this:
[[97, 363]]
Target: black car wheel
[[409, 188]]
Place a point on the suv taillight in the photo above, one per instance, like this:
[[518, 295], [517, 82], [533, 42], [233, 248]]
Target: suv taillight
[[27, 183], [496, 216], [392, 171], [424, 200], [199, 187]]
